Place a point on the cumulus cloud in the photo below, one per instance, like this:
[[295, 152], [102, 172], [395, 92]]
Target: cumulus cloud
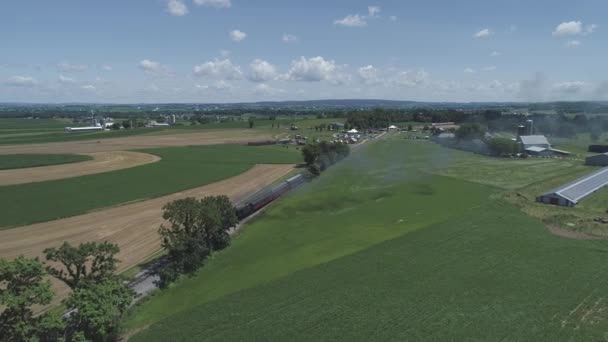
[[574, 28], [368, 74], [351, 20], [412, 78], [214, 3], [262, 71], [66, 80], [67, 67], [313, 69], [89, 87], [289, 38], [572, 43], [219, 69], [153, 68], [265, 89], [237, 35], [373, 11], [222, 85], [485, 33], [22, 81], [177, 8], [570, 87], [393, 18]]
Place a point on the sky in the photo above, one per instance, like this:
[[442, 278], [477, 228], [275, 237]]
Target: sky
[[218, 51]]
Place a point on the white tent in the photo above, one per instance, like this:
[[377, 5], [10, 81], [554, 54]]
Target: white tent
[[353, 131], [392, 127]]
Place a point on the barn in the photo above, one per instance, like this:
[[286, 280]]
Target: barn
[[597, 160], [570, 194]]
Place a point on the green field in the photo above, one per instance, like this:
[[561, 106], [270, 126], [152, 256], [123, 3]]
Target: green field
[[19, 161], [179, 169], [384, 248]]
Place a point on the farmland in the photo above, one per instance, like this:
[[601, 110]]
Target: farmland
[[20, 161], [180, 168], [394, 243]]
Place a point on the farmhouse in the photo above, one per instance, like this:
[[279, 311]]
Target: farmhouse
[[570, 194], [597, 160]]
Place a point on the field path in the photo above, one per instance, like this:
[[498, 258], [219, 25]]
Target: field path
[[133, 227], [211, 137], [102, 162]]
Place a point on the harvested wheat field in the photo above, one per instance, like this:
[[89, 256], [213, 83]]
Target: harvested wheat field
[[133, 227], [214, 137], [102, 162]]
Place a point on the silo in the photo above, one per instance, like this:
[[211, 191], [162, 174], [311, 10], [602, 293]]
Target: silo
[[529, 127], [521, 130]]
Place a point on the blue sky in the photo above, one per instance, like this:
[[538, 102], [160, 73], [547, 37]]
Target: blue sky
[[235, 50]]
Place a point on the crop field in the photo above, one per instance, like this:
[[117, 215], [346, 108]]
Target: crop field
[[382, 247], [20, 161], [180, 168]]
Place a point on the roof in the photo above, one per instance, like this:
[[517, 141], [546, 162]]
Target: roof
[[353, 131], [582, 187], [601, 155], [558, 151], [536, 149], [534, 140]]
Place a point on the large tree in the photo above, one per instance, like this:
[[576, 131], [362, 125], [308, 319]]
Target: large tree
[[197, 227], [22, 285], [89, 261], [97, 308]]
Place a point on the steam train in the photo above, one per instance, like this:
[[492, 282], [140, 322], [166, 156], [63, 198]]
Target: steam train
[[262, 198]]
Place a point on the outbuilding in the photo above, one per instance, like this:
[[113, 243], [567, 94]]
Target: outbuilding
[[528, 141], [570, 194], [597, 160]]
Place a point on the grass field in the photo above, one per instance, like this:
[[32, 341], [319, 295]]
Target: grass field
[[378, 250], [19, 161], [180, 168]]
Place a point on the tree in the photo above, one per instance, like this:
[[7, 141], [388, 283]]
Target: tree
[[89, 261], [251, 122], [22, 285], [126, 124], [115, 126], [310, 152], [503, 146], [98, 307], [470, 131], [197, 228], [409, 128]]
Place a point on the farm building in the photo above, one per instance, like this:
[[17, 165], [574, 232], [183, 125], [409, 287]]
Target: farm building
[[538, 145], [570, 194], [597, 160]]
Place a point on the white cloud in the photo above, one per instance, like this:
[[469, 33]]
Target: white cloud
[[66, 80], [237, 35], [262, 71], [393, 18], [222, 86], [313, 69], [412, 78], [265, 89], [154, 68], [22, 81], [89, 87], [589, 29], [214, 3], [489, 68], [495, 54], [572, 43], [67, 67], [106, 68], [571, 87], [289, 38], [201, 86], [469, 71], [368, 74], [224, 53], [219, 69], [485, 33], [570, 28], [177, 8], [352, 20], [373, 11]]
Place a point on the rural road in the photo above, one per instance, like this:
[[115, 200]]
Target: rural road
[[102, 162], [210, 137]]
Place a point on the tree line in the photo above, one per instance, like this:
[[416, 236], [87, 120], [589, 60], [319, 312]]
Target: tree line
[[319, 156]]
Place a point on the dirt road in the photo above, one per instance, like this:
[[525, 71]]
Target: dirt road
[[102, 162], [210, 137]]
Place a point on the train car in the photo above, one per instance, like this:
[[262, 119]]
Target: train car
[[264, 197]]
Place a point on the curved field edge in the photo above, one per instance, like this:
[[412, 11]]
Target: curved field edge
[[180, 168], [491, 274], [22, 161], [359, 203]]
